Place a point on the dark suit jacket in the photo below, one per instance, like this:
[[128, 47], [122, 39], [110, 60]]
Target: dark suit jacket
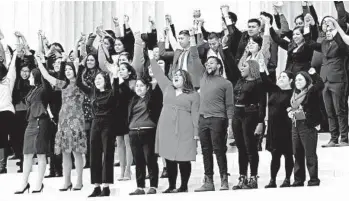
[[334, 54]]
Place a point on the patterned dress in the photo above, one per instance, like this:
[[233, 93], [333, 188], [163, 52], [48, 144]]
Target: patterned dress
[[71, 136]]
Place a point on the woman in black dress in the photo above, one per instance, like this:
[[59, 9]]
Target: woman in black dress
[[279, 138], [37, 136]]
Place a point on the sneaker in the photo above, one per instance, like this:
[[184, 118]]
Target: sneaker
[[207, 186], [252, 183], [242, 182], [151, 190]]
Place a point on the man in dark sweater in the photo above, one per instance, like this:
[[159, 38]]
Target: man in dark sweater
[[216, 111]]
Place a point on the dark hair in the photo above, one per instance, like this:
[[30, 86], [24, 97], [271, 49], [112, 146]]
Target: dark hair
[[146, 80], [130, 69], [111, 33], [218, 62], [187, 83], [213, 36], [184, 32], [37, 76], [307, 78], [128, 56], [254, 20], [300, 17], [96, 60], [290, 76], [62, 71], [111, 49], [3, 71], [59, 45], [107, 82], [257, 39], [323, 21], [232, 16], [268, 15]]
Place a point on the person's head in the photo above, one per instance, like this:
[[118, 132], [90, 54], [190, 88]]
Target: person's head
[[299, 21], [329, 27], [255, 44], [298, 35], [250, 69], [254, 26], [268, 16], [285, 80], [162, 66], [213, 41], [3, 71], [58, 47], [184, 38], [108, 43], [91, 61], [102, 81], [124, 57], [214, 65], [182, 80], [156, 53], [35, 77], [57, 64], [127, 72], [119, 45], [69, 71], [142, 86], [302, 80], [111, 33], [323, 24], [25, 72], [71, 56]]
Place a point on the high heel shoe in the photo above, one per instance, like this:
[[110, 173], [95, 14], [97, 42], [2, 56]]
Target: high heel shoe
[[27, 187], [68, 188], [41, 189], [78, 189]]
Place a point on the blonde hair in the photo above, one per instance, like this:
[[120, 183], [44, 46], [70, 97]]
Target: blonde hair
[[253, 68]]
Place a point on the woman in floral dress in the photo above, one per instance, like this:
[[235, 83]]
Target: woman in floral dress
[[71, 136]]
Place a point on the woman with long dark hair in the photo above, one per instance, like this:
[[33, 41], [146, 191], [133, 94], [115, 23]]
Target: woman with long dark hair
[[279, 138], [7, 111], [70, 136], [248, 121], [306, 115]]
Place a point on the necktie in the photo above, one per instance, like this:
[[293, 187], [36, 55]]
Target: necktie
[[181, 62]]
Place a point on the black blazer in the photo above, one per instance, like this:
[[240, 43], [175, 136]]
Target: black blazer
[[311, 102]]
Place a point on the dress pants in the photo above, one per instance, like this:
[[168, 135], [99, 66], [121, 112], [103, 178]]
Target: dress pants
[[143, 150], [304, 140], [172, 171], [244, 125], [334, 95], [213, 138], [6, 122], [102, 147], [56, 160]]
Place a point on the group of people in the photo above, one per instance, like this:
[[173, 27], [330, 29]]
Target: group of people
[[156, 94]]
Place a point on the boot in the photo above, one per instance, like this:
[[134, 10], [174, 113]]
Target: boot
[[224, 183], [96, 192], [242, 183], [252, 183], [3, 161], [207, 186], [164, 173], [286, 183], [272, 184]]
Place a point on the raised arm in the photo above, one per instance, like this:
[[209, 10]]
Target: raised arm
[[89, 44], [276, 38], [318, 84], [308, 41], [162, 49], [129, 39], [11, 74], [138, 57], [117, 30], [159, 74], [86, 89], [52, 80]]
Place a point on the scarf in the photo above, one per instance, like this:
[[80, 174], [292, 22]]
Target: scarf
[[297, 99]]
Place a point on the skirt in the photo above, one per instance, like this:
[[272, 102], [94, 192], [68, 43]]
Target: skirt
[[37, 136]]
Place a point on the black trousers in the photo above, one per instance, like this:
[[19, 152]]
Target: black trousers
[[304, 140], [56, 160], [334, 95], [213, 138], [17, 134], [143, 151], [172, 171], [244, 125], [102, 141], [275, 164], [88, 125], [6, 122]]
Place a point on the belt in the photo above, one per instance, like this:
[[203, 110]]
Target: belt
[[250, 105], [141, 128]]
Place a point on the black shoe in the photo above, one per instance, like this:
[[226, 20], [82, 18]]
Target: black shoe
[[314, 183], [330, 144], [252, 183], [286, 183], [68, 188], [164, 173], [297, 184], [117, 164], [18, 163], [105, 192], [242, 183], [52, 174], [169, 190], [181, 190], [151, 191], [20, 170], [27, 187], [138, 192], [272, 184], [96, 192], [41, 189], [3, 171]]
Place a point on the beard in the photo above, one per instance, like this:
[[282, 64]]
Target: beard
[[212, 72]]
